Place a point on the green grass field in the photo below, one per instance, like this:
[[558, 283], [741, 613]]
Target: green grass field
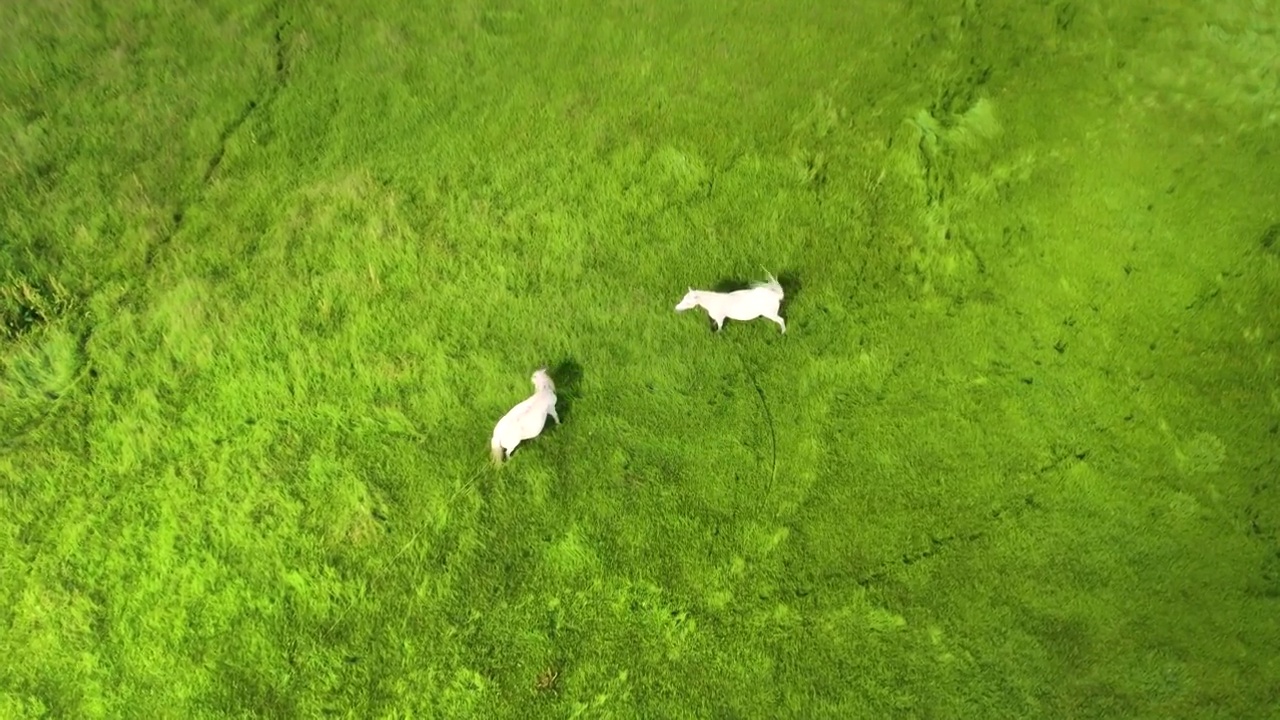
[[271, 272]]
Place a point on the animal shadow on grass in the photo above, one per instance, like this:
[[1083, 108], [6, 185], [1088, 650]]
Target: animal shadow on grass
[[788, 279], [567, 375]]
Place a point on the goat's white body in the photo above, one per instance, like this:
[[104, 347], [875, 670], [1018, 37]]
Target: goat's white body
[[760, 300], [526, 420]]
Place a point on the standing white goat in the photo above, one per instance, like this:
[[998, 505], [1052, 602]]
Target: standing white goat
[[526, 420], [760, 300]]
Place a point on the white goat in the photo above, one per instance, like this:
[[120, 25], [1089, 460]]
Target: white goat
[[760, 300], [526, 420]]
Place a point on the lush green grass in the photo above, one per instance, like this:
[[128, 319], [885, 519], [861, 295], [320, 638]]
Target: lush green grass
[[272, 273]]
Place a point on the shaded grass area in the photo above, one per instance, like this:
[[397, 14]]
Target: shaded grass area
[[273, 272]]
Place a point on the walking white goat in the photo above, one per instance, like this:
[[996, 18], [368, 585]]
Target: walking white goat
[[526, 420], [760, 300]]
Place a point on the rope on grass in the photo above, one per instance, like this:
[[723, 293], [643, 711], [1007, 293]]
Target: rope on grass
[[768, 416]]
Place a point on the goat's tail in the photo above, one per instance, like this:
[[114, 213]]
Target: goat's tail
[[773, 285], [495, 450]]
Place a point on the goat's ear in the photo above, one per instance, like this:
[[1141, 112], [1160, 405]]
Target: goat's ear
[[690, 288]]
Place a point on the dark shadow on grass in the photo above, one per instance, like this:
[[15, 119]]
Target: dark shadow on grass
[[731, 284], [789, 280], [791, 287], [567, 375]]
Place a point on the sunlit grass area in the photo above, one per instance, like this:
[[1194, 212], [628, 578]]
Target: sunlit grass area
[[271, 272]]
